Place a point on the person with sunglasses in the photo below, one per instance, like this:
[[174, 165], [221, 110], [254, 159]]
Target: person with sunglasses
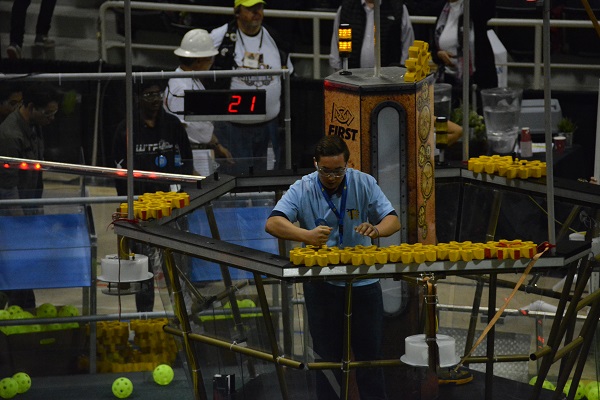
[[339, 206], [21, 136]]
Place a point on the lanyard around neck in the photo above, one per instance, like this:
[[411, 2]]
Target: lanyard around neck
[[338, 214], [262, 33]]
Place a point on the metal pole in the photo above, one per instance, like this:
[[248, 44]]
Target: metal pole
[[376, 18], [129, 108], [107, 76], [466, 78], [597, 152], [489, 365], [186, 328], [287, 121], [346, 342], [548, 125], [96, 118], [316, 22]]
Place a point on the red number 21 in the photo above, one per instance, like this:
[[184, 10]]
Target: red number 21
[[235, 101]]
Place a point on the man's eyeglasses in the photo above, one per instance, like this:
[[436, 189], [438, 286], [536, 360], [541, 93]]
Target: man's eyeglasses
[[332, 173], [47, 113], [150, 96]]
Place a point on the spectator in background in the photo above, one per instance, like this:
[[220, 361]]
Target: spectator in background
[[160, 144], [21, 136], [195, 53], [245, 44], [447, 51], [11, 98], [17, 26], [396, 33], [422, 8]]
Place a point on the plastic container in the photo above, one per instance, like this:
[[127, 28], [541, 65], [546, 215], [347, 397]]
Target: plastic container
[[526, 144]]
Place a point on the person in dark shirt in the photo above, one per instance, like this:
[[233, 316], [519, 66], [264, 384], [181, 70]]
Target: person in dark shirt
[[160, 141], [21, 136], [160, 144], [11, 98]]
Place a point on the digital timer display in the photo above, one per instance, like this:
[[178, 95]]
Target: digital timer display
[[225, 105]]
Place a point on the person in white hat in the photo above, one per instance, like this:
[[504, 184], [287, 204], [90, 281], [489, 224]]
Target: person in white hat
[[246, 44], [195, 53]]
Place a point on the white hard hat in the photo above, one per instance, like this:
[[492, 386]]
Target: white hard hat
[[196, 43]]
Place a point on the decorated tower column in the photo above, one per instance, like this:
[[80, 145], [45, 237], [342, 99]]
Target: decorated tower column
[[387, 122]]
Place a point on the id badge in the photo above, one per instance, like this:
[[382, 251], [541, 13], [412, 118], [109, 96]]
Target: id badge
[[251, 60]]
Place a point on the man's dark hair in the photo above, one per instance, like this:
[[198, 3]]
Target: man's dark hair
[[8, 88], [331, 145], [146, 83], [40, 94]]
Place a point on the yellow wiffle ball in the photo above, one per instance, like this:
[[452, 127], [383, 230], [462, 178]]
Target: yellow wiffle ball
[[163, 374], [23, 380], [122, 387]]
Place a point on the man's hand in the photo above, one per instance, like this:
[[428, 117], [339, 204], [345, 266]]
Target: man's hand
[[367, 229], [223, 153], [446, 57], [282, 228], [318, 236]]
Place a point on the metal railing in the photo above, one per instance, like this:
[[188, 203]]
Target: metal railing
[[317, 16]]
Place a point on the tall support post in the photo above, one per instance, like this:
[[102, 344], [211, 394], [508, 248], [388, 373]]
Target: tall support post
[[346, 354], [186, 328], [129, 107], [597, 152], [491, 336], [548, 124], [377, 47], [466, 78], [474, 315], [556, 333], [431, 386], [260, 289], [231, 289]]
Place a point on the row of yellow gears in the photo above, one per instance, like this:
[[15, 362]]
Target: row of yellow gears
[[417, 64], [156, 205], [412, 253], [116, 354], [112, 332], [150, 327], [507, 166], [149, 335]]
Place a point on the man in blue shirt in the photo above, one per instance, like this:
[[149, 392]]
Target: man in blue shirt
[[339, 206]]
